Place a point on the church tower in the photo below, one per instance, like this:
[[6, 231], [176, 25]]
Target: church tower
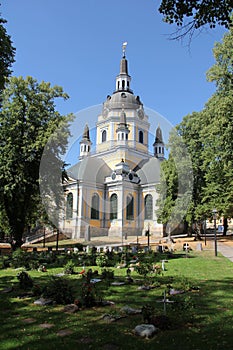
[[123, 125], [85, 143], [158, 144]]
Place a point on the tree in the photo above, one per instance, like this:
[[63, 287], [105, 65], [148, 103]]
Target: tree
[[28, 119], [190, 15], [7, 55], [217, 134], [176, 184], [208, 137]]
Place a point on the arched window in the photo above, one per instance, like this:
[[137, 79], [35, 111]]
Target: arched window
[[140, 136], [148, 207], [95, 201], [113, 206], [69, 206], [123, 85], [104, 135], [129, 208]]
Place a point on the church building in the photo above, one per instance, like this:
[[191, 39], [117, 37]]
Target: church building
[[112, 191]]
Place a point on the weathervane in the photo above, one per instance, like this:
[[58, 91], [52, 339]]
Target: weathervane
[[124, 48]]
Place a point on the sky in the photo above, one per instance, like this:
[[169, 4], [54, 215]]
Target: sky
[[77, 44]]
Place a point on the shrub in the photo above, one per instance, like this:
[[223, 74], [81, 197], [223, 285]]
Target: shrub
[[107, 274], [102, 260], [20, 258], [90, 295], [69, 268], [25, 281], [59, 290]]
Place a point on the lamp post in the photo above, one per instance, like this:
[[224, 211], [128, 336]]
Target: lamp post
[[214, 211]]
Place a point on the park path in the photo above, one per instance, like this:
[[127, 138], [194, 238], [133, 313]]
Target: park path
[[225, 250]]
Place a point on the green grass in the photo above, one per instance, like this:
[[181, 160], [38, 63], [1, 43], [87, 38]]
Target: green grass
[[208, 325]]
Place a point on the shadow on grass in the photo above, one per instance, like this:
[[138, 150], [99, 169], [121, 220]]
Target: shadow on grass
[[201, 318]]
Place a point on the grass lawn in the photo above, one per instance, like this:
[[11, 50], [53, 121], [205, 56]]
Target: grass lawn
[[202, 318]]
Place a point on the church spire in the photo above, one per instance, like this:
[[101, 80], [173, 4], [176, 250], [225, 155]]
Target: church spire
[[123, 79], [122, 129], [85, 143], [158, 144]]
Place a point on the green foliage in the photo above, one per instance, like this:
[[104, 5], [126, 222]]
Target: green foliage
[[7, 54], [102, 260], [69, 268], [25, 281], [28, 118], [90, 294], [208, 139], [197, 316], [144, 268], [191, 15], [20, 258], [107, 274], [59, 290]]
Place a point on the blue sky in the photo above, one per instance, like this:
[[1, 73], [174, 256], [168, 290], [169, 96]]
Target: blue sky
[[77, 44]]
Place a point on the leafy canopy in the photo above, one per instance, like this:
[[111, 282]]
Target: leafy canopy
[[28, 118]]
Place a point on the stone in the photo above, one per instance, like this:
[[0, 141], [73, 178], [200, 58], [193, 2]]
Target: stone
[[107, 303], [117, 283], [46, 325], [130, 311], [146, 330], [64, 332], [43, 302], [111, 318], [173, 291], [121, 266], [95, 280], [70, 308], [145, 287], [60, 274], [199, 247], [29, 320]]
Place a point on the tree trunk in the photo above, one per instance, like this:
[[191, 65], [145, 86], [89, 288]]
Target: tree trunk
[[225, 226]]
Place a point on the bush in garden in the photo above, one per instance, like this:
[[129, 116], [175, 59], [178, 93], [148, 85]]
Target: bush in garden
[[36, 290], [25, 281], [144, 269], [59, 290], [102, 260], [159, 321], [107, 274], [69, 268], [4, 262], [20, 258], [90, 295]]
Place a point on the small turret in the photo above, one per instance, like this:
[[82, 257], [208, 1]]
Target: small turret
[[158, 144], [85, 143], [122, 128]]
